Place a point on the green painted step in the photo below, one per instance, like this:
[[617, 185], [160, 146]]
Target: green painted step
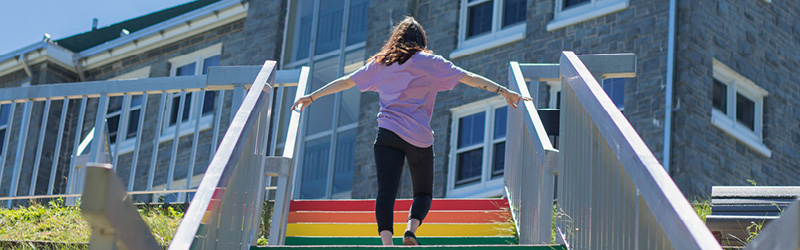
[[316, 241], [471, 247]]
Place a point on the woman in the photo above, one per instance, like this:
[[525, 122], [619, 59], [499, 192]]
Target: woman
[[407, 77]]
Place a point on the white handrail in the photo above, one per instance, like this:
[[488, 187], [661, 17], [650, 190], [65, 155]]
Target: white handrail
[[616, 193]]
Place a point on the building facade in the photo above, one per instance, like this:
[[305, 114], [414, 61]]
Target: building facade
[[734, 117]]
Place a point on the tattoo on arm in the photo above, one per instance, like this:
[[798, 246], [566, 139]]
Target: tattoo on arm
[[485, 88]]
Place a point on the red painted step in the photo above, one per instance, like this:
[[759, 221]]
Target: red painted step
[[399, 205], [435, 216]]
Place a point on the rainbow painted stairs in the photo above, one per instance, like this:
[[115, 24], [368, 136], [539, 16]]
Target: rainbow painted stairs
[[450, 224]]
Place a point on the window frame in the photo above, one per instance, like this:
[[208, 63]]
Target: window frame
[[555, 89], [498, 36], [488, 186], [187, 127], [127, 144], [573, 15], [726, 121], [344, 53]]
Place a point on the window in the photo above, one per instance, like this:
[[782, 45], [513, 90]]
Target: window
[[737, 107], [477, 151], [555, 95], [196, 63], [329, 27], [486, 24], [614, 88], [569, 12], [327, 150], [114, 113], [4, 113]]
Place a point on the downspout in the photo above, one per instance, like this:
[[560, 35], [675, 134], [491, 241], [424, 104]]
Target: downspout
[[668, 96]]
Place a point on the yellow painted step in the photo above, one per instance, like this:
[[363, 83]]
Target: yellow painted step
[[427, 229]]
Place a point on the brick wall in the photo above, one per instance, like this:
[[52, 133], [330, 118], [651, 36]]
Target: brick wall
[[760, 41]]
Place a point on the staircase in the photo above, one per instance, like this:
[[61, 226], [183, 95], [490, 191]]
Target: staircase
[[450, 224]]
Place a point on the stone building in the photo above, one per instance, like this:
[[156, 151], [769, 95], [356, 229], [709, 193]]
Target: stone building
[[733, 114]]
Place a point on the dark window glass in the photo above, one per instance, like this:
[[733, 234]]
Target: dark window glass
[[745, 111], [208, 62], [136, 100], [470, 129], [573, 3], [4, 111], [133, 124], [315, 169], [719, 96], [513, 12], [615, 89], [185, 70], [114, 104], [176, 105], [329, 26], [558, 100], [357, 24], [498, 163], [469, 166], [479, 19], [113, 126], [2, 139], [208, 103], [500, 122]]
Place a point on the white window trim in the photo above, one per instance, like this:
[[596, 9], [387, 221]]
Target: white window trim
[[498, 36], [143, 72], [555, 88], [487, 186], [188, 126], [574, 15], [726, 121]]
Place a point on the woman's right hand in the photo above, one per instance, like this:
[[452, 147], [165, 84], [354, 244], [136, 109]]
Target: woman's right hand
[[302, 103]]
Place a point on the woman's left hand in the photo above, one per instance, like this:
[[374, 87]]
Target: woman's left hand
[[302, 103], [513, 98]]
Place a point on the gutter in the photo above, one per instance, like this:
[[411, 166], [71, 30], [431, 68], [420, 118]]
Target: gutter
[[668, 96]]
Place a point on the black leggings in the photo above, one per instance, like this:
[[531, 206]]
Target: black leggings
[[390, 151]]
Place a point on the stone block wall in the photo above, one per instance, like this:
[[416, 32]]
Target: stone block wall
[[760, 41], [641, 28]]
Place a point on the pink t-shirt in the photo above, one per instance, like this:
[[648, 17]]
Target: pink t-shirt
[[407, 93]]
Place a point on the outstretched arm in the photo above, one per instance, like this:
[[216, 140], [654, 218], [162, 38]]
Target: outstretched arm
[[478, 81], [335, 86]]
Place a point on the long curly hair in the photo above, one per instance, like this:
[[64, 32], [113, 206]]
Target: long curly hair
[[407, 39]]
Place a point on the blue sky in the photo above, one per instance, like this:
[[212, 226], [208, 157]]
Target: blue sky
[[24, 22]]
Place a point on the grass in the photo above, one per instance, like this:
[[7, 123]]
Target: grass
[[39, 225], [55, 222]]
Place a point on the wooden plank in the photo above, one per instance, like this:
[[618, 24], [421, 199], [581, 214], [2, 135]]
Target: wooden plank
[[436, 216], [399, 205]]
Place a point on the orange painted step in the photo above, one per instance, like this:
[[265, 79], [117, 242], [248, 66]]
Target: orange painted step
[[434, 216], [399, 205]]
